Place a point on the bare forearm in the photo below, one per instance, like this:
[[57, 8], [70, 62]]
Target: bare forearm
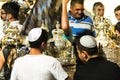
[[2, 60], [64, 17]]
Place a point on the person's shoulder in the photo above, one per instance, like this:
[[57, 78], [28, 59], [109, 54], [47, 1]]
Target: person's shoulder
[[19, 59], [50, 60], [17, 22], [49, 57], [112, 64], [88, 17], [114, 67]]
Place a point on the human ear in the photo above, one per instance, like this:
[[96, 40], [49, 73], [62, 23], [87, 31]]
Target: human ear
[[84, 55], [43, 46], [81, 55]]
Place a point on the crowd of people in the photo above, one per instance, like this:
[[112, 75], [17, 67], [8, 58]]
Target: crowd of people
[[9, 14], [78, 28]]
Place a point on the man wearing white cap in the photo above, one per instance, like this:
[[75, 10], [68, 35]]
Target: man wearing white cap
[[95, 67], [36, 65]]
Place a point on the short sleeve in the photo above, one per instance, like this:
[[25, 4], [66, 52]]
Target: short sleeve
[[57, 70]]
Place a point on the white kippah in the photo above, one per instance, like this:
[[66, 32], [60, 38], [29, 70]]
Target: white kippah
[[88, 41], [34, 34]]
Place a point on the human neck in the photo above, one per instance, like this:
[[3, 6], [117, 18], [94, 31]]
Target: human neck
[[90, 57], [12, 19], [34, 51]]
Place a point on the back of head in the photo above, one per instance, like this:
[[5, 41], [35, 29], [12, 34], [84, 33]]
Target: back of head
[[5, 6], [36, 36], [9, 56], [12, 8], [76, 1], [89, 44], [87, 32]]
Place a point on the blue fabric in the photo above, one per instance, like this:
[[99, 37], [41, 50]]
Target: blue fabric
[[77, 30], [79, 27], [83, 19]]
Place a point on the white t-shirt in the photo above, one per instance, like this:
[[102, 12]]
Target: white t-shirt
[[16, 23], [37, 67], [1, 29]]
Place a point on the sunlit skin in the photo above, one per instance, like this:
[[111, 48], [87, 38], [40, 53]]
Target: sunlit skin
[[117, 15], [82, 56], [3, 15], [2, 59], [99, 10], [117, 33], [77, 10]]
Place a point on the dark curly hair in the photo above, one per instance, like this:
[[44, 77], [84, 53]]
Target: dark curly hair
[[7, 69], [12, 8]]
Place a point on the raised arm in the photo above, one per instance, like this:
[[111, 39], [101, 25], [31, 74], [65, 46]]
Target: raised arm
[[2, 60], [64, 17]]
